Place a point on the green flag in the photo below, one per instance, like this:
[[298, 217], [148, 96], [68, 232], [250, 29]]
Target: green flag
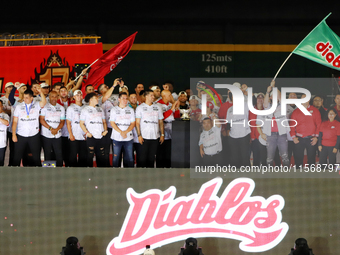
[[321, 45]]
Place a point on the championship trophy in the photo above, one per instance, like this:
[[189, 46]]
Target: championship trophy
[[185, 114]]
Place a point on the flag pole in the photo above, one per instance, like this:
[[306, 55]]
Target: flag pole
[[86, 68], [282, 66], [298, 46]]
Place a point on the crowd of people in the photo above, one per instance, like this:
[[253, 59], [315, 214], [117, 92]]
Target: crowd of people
[[72, 127], [275, 139]]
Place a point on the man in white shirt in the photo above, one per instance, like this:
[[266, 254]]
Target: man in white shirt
[[26, 119], [4, 123], [52, 119], [170, 112], [239, 136], [122, 119], [93, 123], [77, 143], [6, 105], [210, 142], [65, 101], [149, 123]]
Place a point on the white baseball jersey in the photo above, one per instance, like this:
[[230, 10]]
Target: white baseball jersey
[[211, 140], [93, 117], [238, 123], [53, 115], [28, 118], [149, 116], [73, 115], [123, 117], [3, 130]]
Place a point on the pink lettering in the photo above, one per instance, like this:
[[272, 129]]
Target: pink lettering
[[156, 217]]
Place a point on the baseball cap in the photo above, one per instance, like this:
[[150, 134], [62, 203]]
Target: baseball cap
[[77, 92], [8, 84], [193, 97], [237, 84], [259, 94], [154, 87], [21, 85], [44, 85], [182, 92], [201, 83], [120, 88], [206, 118]]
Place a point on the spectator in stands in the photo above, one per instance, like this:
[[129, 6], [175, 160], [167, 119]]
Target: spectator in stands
[[93, 123], [139, 87], [4, 123], [329, 138], [305, 131], [149, 123], [26, 119], [77, 141], [122, 119], [52, 119], [170, 112]]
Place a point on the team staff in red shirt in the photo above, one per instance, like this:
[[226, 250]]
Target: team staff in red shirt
[[329, 138], [337, 104], [305, 133], [259, 150]]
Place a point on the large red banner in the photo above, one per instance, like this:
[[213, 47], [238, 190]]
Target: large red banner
[[47, 63]]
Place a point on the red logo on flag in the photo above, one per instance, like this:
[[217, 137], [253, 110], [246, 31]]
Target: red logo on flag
[[157, 218], [327, 54]]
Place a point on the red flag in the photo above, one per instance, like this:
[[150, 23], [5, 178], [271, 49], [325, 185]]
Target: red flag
[[109, 61]]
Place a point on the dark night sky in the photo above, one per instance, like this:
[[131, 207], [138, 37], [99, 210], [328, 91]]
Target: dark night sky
[[101, 17]]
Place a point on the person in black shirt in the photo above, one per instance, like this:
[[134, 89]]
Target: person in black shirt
[[182, 98]]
